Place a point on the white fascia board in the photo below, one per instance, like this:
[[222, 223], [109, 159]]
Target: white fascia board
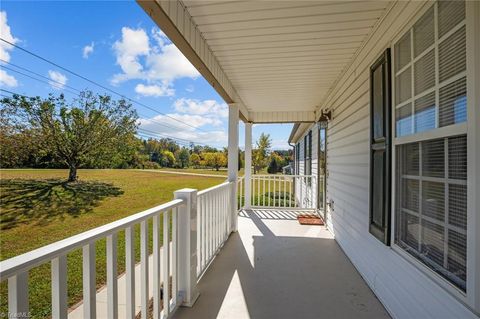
[[283, 117]]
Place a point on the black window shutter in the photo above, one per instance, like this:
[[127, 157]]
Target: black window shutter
[[305, 145], [310, 153], [380, 148]]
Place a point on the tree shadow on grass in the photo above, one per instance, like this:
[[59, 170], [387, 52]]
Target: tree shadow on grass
[[42, 201]]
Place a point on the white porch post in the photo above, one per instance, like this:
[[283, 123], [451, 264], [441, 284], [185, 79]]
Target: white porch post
[[187, 246], [233, 160], [248, 165]]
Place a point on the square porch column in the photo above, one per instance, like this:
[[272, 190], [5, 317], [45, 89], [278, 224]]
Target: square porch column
[[248, 166], [233, 117]]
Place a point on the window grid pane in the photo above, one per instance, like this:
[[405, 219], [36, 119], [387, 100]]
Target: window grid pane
[[431, 201], [453, 103], [425, 113], [424, 74], [450, 13], [402, 51], [423, 32], [404, 120], [431, 61], [452, 55]]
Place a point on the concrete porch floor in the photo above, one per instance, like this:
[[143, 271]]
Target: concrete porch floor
[[275, 268]]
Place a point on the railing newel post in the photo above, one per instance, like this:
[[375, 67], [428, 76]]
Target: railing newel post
[[187, 246]]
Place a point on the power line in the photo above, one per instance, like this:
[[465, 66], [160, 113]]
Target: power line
[[144, 132], [95, 83], [59, 84], [180, 143], [147, 136], [171, 137], [35, 73], [72, 88]]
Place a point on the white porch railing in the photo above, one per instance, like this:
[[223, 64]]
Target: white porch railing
[[213, 224], [176, 267], [165, 272], [284, 191]]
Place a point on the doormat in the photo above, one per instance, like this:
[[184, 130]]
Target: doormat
[[309, 219]]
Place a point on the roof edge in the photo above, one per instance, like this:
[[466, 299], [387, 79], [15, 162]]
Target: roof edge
[[292, 133]]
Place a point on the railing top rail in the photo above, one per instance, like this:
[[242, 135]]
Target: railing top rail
[[213, 188], [46, 253], [280, 175]]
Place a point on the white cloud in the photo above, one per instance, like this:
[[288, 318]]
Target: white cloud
[[190, 89], [152, 59], [58, 79], [167, 125], [169, 64], [7, 80], [154, 90], [88, 49], [205, 107], [5, 48], [134, 44]]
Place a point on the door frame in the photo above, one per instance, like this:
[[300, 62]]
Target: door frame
[[322, 126]]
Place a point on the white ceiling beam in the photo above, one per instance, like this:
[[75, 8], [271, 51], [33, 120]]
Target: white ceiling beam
[[173, 18], [283, 117]]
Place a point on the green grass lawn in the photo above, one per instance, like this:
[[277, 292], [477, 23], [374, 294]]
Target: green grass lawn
[[38, 208]]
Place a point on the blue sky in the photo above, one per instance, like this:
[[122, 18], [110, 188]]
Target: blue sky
[[117, 45]]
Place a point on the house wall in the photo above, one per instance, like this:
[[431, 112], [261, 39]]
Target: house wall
[[406, 289]]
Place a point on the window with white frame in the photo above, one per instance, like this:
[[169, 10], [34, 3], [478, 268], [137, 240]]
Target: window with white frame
[[431, 169]]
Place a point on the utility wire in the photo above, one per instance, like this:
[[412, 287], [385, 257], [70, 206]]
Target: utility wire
[[54, 83], [144, 132], [72, 88], [95, 83], [169, 136], [35, 73], [156, 136]]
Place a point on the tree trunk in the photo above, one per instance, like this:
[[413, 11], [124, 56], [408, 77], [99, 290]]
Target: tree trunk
[[72, 174]]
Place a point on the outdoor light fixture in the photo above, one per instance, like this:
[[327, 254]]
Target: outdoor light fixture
[[326, 116]]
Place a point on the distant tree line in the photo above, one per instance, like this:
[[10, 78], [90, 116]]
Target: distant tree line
[[95, 131]]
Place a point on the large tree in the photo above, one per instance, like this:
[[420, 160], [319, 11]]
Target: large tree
[[74, 132], [183, 157], [260, 153], [215, 160]]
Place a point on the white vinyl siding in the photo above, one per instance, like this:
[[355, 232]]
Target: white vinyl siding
[[406, 290], [431, 174]]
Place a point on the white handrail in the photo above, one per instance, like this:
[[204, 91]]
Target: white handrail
[[213, 188], [46, 253], [16, 269], [280, 176], [215, 218]]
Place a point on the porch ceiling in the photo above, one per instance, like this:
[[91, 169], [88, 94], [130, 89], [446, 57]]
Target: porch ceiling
[[280, 56]]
